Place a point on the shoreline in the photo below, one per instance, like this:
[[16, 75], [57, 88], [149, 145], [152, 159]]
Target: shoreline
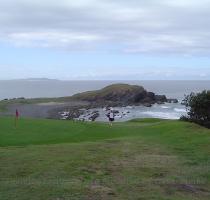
[[84, 111], [128, 101]]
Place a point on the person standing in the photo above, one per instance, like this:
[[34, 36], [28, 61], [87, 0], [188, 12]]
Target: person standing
[[111, 117]]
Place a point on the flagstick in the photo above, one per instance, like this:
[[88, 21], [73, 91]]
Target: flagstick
[[16, 120]]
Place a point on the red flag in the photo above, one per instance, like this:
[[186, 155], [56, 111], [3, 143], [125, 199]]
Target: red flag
[[17, 113]]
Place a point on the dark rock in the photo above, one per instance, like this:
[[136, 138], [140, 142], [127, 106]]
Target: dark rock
[[140, 96], [160, 98], [148, 100], [172, 101], [116, 111], [151, 95], [94, 115], [147, 104], [160, 102]]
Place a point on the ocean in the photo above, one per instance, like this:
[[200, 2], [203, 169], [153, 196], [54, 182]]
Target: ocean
[[35, 88]]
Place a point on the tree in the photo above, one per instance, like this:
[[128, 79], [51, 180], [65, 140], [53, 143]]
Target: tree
[[198, 107]]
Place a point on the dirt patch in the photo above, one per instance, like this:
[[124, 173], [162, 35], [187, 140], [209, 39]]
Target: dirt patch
[[148, 161], [97, 191], [187, 188]]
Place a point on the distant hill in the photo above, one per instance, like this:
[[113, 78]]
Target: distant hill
[[38, 79], [30, 79], [121, 94]]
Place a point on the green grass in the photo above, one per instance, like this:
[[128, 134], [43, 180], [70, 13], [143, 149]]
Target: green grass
[[102, 93], [139, 159], [5, 103]]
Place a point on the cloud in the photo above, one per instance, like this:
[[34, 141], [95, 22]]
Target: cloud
[[52, 39], [147, 73], [147, 26]]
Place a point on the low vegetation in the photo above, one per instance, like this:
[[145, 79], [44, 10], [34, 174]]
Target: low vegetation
[[198, 106], [7, 102], [140, 159]]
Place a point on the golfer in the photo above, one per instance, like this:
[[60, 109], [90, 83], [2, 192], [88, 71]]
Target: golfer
[[111, 117]]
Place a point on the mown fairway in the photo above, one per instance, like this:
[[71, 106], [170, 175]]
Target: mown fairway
[[142, 159]]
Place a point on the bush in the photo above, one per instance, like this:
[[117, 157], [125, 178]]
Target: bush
[[198, 107]]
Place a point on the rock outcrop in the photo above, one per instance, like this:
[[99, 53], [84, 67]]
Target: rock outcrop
[[121, 95], [172, 101]]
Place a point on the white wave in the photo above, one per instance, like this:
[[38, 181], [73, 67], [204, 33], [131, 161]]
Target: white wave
[[162, 115], [165, 107], [129, 107], [179, 109], [118, 116]]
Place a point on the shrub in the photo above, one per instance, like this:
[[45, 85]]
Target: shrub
[[198, 107]]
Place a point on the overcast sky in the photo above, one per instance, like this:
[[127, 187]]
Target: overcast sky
[[105, 39]]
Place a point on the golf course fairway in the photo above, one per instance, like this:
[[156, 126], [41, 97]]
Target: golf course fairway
[[136, 160]]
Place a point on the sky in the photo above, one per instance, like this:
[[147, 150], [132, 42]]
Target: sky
[[105, 39]]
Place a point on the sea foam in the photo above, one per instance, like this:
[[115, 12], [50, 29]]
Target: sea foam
[[162, 115], [179, 110]]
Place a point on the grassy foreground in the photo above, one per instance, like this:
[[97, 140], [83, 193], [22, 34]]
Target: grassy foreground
[[141, 159]]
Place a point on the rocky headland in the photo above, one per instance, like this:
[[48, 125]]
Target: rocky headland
[[121, 95]]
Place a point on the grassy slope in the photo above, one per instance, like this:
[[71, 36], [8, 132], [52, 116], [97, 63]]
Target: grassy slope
[[5, 103], [119, 88], [141, 159]]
